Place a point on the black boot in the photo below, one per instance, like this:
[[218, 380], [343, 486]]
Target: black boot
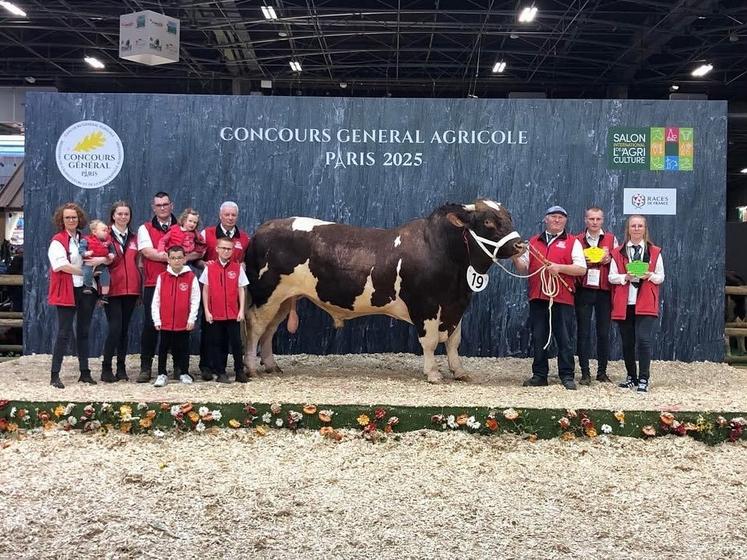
[[585, 378], [55, 382], [146, 365], [85, 377], [122, 373], [106, 373]]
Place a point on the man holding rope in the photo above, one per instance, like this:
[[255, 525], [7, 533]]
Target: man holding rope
[[552, 260]]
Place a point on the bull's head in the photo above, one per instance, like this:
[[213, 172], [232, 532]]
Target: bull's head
[[491, 228]]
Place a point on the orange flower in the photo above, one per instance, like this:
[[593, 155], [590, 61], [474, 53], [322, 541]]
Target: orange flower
[[510, 414], [12, 427], [326, 430], [49, 425], [492, 424], [150, 414], [193, 416], [461, 420], [591, 431], [564, 423], [146, 422], [532, 438], [309, 409], [620, 416], [125, 427], [648, 430], [363, 420], [261, 430], [567, 436], [234, 423], [165, 406], [186, 407], [59, 410], [325, 416], [667, 418]]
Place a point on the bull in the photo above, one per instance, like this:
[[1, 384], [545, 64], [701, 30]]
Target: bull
[[416, 273]]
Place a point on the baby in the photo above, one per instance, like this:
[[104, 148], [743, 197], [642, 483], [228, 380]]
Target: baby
[[184, 234], [97, 244]]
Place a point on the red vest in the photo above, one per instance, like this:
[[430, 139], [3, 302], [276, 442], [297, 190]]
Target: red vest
[[647, 302], [223, 290], [605, 241], [125, 275], [175, 294], [559, 252], [61, 283], [241, 244], [151, 269]]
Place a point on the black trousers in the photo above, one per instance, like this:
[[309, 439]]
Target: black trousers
[[118, 314], [562, 329], [177, 343], [599, 303], [81, 313], [637, 333], [149, 336], [224, 334]]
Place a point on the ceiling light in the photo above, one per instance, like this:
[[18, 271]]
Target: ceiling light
[[269, 12], [295, 66], [743, 170], [30, 79], [95, 62], [343, 85], [12, 8], [674, 87], [528, 14], [702, 70], [499, 67]]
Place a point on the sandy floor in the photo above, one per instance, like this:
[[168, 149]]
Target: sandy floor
[[429, 495], [397, 379]]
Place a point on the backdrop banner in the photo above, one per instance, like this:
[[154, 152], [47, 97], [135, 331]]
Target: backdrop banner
[[382, 162]]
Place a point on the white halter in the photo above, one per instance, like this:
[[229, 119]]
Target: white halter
[[483, 243]]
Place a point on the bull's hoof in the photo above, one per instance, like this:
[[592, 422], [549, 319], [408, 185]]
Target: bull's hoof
[[273, 369], [435, 378], [462, 375]]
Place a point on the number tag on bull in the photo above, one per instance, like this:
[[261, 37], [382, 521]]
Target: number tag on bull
[[477, 282]]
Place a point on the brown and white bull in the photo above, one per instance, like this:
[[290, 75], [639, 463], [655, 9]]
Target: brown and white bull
[[416, 272]]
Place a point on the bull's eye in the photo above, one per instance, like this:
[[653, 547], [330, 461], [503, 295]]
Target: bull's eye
[[489, 224]]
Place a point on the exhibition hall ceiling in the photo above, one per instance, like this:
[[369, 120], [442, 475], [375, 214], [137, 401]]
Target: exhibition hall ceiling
[[424, 48]]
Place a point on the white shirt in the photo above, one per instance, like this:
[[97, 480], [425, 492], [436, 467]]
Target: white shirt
[[243, 280], [143, 237], [194, 297], [594, 241], [616, 277], [577, 252], [226, 232], [58, 258]]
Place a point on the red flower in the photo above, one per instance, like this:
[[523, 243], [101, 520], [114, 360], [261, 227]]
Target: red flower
[[371, 427], [735, 433], [44, 416], [249, 409], [492, 424], [3, 424], [4, 403], [379, 413]]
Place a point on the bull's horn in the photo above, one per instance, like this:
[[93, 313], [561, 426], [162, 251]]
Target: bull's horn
[[469, 207]]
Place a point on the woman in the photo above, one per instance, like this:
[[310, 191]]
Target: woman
[[124, 291], [635, 299], [66, 290]]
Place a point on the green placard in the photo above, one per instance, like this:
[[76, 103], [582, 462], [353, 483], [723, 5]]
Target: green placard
[[637, 268]]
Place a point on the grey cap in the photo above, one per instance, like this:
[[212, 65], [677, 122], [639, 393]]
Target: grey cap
[[556, 210]]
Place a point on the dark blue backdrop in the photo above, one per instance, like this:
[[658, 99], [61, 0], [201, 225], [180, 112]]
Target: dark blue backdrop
[[557, 155]]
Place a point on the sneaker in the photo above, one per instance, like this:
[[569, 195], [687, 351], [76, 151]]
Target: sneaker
[[161, 380], [222, 378], [603, 378], [629, 383], [642, 386], [186, 379], [569, 384], [585, 378], [535, 381]]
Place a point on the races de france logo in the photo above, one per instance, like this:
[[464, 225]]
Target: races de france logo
[[638, 200], [89, 154]]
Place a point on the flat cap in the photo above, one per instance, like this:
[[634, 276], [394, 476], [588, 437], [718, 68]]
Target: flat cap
[[556, 210]]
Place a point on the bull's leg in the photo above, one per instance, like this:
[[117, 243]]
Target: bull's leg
[[452, 353], [265, 341], [254, 328], [429, 342]]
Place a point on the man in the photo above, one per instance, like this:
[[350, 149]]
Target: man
[[593, 295], [154, 263], [228, 214], [562, 258]]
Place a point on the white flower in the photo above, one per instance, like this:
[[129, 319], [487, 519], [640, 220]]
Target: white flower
[[158, 433], [141, 405], [279, 422], [175, 410], [472, 424], [105, 407], [606, 428], [217, 415], [94, 425], [295, 416], [266, 417], [13, 412], [326, 412], [451, 422], [72, 420], [200, 427], [203, 411], [69, 408]]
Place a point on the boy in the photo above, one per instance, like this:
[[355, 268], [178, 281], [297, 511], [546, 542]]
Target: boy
[[97, 244], [174, 310], [223, 296]]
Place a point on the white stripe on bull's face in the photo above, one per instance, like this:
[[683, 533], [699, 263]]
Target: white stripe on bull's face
[[494, 205], [307, 224], [398, 241]]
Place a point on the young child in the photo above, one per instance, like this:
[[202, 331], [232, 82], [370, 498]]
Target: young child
[[223, 282], [97, 244], [184, 234], [174, 311]]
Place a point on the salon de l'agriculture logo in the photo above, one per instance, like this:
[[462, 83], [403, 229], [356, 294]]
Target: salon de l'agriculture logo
[[655, 148], [89, 154]]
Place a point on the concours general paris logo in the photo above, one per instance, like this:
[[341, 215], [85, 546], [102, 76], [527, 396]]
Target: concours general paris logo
[[89, 154]]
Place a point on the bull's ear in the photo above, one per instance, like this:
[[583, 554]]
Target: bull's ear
[[454, 219]]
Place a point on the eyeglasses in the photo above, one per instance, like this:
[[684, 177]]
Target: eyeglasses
[[176, 257], [162, 205], [224, 248], [71, 217]]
